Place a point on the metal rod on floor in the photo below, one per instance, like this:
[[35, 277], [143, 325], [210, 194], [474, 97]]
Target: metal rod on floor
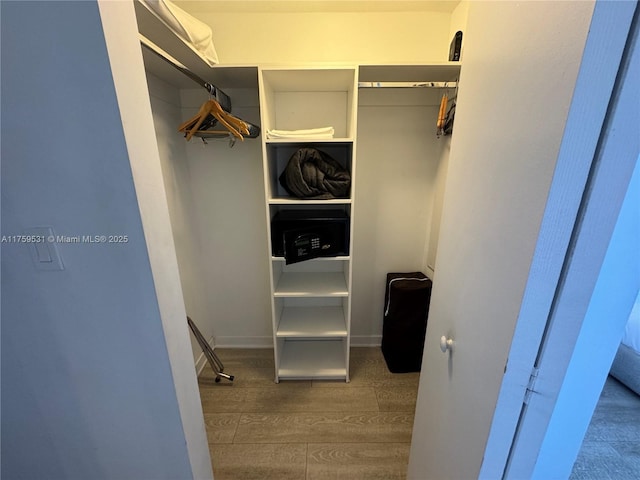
[[212, 358]]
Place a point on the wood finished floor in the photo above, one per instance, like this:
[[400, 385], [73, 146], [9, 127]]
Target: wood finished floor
[[308, 430]]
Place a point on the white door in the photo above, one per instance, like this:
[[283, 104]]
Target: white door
[[600, 277], [520, 65]]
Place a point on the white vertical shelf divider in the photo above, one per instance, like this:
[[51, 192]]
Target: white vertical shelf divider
[[310, 300]]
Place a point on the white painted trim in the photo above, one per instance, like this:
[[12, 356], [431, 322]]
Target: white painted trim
[[430, 272], [127, 68], [616, 156], [599, 66], [597, 344], [267, 342], [201, 361]]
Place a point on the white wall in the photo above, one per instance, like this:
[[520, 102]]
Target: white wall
[[398, 157], [87, 386], [228, 192], [439, 184], [251, 35], [395, 197], [167, 115]]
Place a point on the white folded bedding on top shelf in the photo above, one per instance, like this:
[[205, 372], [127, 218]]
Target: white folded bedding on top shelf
[[194, 33]]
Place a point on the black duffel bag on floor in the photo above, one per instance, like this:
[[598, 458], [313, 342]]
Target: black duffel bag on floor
[[404, 327]]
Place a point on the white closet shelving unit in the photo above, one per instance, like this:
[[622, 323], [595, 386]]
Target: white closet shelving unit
[[311, 300]]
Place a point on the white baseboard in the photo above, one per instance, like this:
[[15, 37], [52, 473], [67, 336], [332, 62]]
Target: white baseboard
[[244, 342], [232, 342], [267, 342], [366, 340], [430, 272]]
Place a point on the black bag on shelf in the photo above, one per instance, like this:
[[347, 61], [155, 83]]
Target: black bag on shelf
[[406, 307], [314, 174]]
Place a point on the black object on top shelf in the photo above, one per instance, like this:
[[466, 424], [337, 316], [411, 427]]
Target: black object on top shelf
[[456, 47]]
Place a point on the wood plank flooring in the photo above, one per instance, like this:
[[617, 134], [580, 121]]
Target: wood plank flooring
[[308, 430]]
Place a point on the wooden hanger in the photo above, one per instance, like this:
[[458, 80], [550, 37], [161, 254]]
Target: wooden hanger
[[233, 124], [194, 121], [442, 113]]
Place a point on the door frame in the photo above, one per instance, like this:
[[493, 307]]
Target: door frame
[[594, 168]]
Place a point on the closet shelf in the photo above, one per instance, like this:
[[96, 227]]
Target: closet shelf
[[320, 259], [311, 284], [312, 322], [425, 84], [300, 201], [431, 72], [297, 141], [318, 359], [223, 76]]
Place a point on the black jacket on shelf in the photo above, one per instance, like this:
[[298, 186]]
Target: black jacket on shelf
[[314, 174]]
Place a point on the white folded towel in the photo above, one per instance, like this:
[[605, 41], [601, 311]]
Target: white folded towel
[[315, 133]]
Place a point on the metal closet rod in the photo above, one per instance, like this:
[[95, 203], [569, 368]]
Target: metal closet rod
[[176, 64], [407, 84], [212, 89]]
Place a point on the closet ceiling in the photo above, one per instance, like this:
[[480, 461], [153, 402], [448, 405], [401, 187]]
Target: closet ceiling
[[213, 6]]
